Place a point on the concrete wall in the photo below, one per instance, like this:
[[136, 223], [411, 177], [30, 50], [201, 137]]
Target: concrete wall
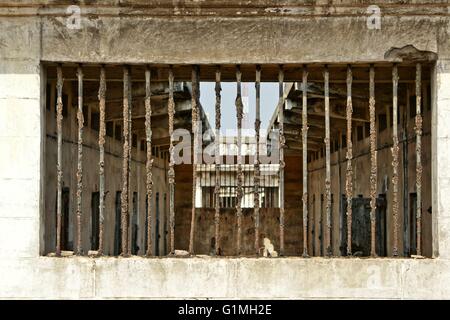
[[269, 37]]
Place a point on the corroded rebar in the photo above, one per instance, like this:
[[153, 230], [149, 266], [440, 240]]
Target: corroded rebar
[[194, 102], [125, 161], [257, 173], [79, 158], [171, 172], [101, 144], [281, 146], [149, 162], [59, 118], [218, 88], [395, 159], [305, 158], [239, 111], [327, 160], [349, 156], [419, 168], [373, 162]]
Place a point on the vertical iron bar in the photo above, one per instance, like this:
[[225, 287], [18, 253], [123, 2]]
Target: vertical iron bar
[[239, 111], [305, 158], [149, 162], [101, 143], [373, 162], [395, 159], [80, 157], [257, 173], [125, 161], [195, 92], [327, 160], [171, 172], [349, 156], [59, 118], [131, 204], [281, 146], [419, 169], [218, 88]]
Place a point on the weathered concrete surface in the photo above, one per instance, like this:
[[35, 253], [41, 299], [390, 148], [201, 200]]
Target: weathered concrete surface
[[283, 278]]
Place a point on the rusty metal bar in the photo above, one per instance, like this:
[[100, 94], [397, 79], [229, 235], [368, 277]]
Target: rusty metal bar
[[130, 144], [171, 172], [126, 160], [281, 146], [257, 172], [149, 162], [419, 168], [373, 162], [395, 159], [305, 158], [59, 118], [218, 88], [326, 76], [349, 156], [101, 144], [195, 94], [239, 111], [80, 157]]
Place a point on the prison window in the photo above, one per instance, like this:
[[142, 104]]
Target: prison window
[[412, 225], [66, 220], [344, 141], [359, 133], [412, 106], [118, 224], [157, 223], [366, 129], [95, 120], [95, 202], [65, 101], [134, 225], [382, 122], [48, 96], [134, 140], [86, 115], [118, 132], [110, 129]]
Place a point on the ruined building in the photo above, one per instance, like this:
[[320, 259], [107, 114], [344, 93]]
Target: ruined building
[[115, 182]]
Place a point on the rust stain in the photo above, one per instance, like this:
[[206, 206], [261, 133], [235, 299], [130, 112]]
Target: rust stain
[[149, 162], [349, 156], [218, 89], [305, 159], [195, 97], [239, 115], [282, 142], [59, 118], [419, 169], [171, 171], [327, 160], [101, 143], [257, 173], [125, 161], [79, 158], [395, 161], [373, 162]]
